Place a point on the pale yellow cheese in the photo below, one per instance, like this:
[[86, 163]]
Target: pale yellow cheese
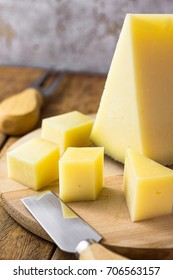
[[81, 173], [34, 163], [71, 129], [67, 213], [148, 187], [136, 108]]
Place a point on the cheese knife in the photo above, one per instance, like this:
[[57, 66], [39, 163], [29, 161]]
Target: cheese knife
[[67, 230]]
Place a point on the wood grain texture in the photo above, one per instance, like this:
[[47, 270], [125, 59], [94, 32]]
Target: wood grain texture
[[98, 252], [15, 79], [60, 255], [80, 92], [21, 243]]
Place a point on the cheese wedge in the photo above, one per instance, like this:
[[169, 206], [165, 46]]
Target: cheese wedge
[[148, 187], [34, 163], [81, 173], [136, 108], [71, 129]]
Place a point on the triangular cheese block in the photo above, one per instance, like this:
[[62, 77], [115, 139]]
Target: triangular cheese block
[[136, 109], [148, 187]]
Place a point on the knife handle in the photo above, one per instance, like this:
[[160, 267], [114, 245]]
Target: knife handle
[[20, 113], [90, 250]]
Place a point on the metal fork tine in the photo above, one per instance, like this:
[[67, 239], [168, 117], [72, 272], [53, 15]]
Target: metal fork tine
[[50, 89], [42, 79]]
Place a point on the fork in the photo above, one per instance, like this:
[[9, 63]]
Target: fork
[[20, 113]]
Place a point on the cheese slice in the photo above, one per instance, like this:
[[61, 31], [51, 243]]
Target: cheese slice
[[71, 129], [148, 187], [81, 173], [34, 163], [136, 108]]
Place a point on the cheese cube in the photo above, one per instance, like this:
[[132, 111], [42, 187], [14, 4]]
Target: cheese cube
[[34, 163], [81, 174], [148, 187], [70, 129], [136, 107]]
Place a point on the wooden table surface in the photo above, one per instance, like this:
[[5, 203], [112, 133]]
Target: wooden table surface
[[77, 91]]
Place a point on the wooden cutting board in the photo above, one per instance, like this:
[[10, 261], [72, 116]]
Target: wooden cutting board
[[108, 214]]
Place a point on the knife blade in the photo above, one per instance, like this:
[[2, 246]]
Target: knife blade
[[67, 229]]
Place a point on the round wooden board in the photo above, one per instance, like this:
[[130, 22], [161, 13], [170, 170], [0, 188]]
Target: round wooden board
[[150, 239]]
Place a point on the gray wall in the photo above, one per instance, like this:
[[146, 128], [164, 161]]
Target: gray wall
[[67, 34]]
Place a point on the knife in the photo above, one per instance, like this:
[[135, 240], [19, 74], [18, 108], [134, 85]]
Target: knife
[[67, 229]]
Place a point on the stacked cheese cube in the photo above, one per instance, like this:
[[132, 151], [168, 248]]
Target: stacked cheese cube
[[36, 162], [81, 174]]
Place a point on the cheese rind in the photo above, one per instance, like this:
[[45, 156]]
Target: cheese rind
[[148, 187], [81, 173], [137, 103], [34, 163], [69, 129]]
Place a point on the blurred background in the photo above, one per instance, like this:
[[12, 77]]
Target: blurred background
[[76, 35]]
